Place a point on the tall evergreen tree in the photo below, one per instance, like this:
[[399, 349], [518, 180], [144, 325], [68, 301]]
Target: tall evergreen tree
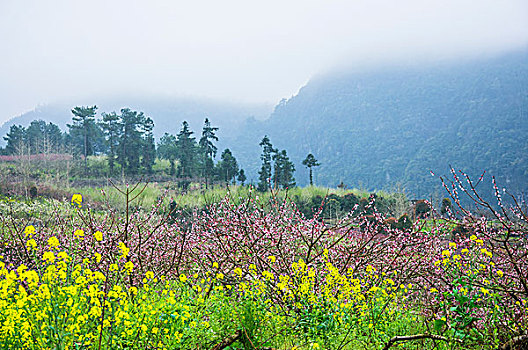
[[38, 137], [227, 167], [130, 142], [241, 177], [168, 149], [111, 127], [265, 170], [54, 139], [310, 162], [83, 130], [148, 145], [208, 149], [186, 145], [283, 170], [35, 136], [15, 138]]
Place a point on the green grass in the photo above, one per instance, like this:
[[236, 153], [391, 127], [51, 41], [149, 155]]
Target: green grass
[[198, 197]]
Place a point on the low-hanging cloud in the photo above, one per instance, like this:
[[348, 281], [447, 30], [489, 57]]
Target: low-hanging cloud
[[251, 51]]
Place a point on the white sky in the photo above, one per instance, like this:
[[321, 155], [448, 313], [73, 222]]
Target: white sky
[[251, 51]]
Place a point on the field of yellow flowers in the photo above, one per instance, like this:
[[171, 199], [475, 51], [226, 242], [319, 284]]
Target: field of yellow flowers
[[248, 277]]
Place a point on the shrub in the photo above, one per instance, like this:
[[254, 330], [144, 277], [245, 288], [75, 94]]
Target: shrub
[[422, 208], [404, 222]]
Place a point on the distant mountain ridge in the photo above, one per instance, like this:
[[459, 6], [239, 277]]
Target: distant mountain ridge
[[167, 113], [380, 128]]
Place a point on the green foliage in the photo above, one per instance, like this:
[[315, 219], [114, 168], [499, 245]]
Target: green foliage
[[446, 207], [404, 222], [208, 150], [148, 146], [310, 162], [130, 140], [37, 138], [187, 150], [283, 170], [422, 209], [112, 130], [227, 168], [168, 149], [241, 177], [85, 135], [382, 127], [15, 139], [265, 170]]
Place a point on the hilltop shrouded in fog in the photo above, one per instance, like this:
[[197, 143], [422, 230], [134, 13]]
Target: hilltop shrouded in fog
[[375, 129], [258, 52]]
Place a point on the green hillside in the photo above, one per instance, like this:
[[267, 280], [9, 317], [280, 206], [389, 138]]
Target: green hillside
[[378, 128]]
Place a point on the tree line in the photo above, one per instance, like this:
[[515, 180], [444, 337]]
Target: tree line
[[127, 141]]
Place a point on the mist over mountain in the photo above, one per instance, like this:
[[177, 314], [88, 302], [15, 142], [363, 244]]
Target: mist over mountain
[[379, 128], [167, 113], [374, 129]]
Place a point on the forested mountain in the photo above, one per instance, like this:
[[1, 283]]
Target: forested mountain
[[168, 113], [382, 127], [373, 129]]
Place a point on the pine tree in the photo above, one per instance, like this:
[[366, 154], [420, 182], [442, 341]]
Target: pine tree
[[54, 139], [112, 128], [186, 146], [310, 162], [241, 177], [35, 136], [168, 149], [265, 170], [227, 167], [15, 138], [130, 141], [83, 130], [148, 146], [283, 170], [208, 150]]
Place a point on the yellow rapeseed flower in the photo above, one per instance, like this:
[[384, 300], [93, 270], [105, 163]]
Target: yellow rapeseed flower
[[29, 230], [98, 235], [31, 244], [49, 257], [53, 242], [129, 266]]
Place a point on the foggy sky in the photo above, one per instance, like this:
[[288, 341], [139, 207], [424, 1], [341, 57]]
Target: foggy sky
[[248, 51]]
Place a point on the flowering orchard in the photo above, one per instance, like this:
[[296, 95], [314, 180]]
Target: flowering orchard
[[261, 276]]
